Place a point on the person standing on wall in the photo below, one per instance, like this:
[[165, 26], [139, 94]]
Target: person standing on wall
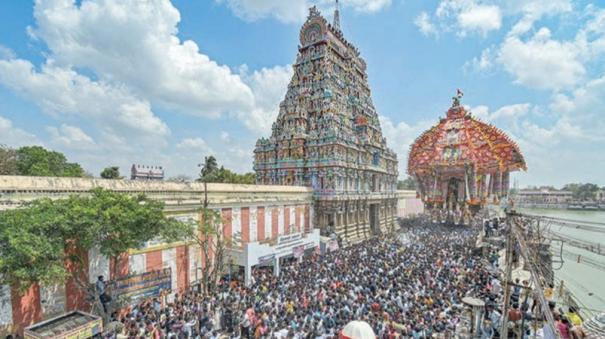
[[101, 286]]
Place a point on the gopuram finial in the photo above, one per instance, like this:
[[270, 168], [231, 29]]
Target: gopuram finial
[[456, 99], [336, 23]]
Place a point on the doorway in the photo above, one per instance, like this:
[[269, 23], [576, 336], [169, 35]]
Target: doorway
[[453, 194], [374, 219]]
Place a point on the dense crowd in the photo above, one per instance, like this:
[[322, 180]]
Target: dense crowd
[[411, 286], [407, 286]]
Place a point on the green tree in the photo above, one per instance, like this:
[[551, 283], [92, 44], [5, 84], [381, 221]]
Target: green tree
[[208, 174], [8, 161], [408, 183], [38, 161], [208, 235], [112, 172], [582, 191], [37, 240], [224, 175], [587, 191], [212, 173]]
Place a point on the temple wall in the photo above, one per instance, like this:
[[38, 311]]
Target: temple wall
[[408, 204], [250, 213]]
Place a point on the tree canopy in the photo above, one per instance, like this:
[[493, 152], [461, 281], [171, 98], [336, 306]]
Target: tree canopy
[[112, 172], [211, 172], [408, 183], [34, 239], [582, 191], [8, 161], [38, 161]]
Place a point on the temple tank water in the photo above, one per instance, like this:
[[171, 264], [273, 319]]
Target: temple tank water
[[586, 282]]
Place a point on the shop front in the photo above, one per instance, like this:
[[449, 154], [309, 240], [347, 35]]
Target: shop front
[[273, 253]]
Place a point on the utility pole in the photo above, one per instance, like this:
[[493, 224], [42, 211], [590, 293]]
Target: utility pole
[[538, 288], [507, 277]]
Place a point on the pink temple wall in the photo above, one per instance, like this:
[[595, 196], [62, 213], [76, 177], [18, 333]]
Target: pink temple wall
[[26, 308]]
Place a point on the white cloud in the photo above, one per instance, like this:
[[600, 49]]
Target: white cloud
[[557, 146], [109, 68], [295, 11], [71, 137], [140, 51], [481, 112], [584, 106], [484, 16], [542, 62], [480, 18], [469, 16], [15, 137], [197, 144], [370, 6], [533, 10], [508, 113], [423, 22], [229, 153], [400, 137], [269, 86], [511, 111], [481, 64], [63, 91], [6, 53], [291, 11]]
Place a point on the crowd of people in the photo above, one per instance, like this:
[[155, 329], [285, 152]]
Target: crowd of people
[[410, 286]]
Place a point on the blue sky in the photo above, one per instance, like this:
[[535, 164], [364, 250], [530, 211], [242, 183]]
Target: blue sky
[[116, 82]]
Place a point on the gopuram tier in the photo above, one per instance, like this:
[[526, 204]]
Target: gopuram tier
[[462, 164], [327, 136]]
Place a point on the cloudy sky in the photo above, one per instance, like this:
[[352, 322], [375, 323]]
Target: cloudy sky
[[116, 82]]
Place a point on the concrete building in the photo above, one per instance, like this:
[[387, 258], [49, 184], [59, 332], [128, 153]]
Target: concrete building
[[270, 223], [600, 195], [142, 172], [408, 204], [543, 198]]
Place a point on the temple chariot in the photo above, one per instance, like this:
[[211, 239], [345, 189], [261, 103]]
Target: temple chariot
[[462, 164]]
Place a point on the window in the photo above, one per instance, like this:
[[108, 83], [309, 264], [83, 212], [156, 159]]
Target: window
[[376, 159]]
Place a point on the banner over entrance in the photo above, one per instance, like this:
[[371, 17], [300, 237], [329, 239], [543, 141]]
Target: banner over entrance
[[138, 287]]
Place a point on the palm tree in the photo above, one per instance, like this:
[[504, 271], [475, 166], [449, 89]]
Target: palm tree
[[207, 173]]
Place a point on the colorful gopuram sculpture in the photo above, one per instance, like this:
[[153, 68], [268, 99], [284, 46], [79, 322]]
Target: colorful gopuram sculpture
[[327, 136], [461, 164]]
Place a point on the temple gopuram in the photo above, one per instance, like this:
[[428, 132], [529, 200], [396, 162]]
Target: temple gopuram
[[461, 164], [327, 136]]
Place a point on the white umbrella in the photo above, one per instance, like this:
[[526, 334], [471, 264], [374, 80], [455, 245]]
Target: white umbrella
[[357, 330], [522, 275]]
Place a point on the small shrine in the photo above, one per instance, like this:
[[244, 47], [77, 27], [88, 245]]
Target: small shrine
[[327, 136], [461, 164]]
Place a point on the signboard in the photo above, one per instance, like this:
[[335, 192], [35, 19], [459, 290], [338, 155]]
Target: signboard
[[74, 325], [266, 259], [136, 288], [298, 251], [6, 308], [332, 245], [290, 238]]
